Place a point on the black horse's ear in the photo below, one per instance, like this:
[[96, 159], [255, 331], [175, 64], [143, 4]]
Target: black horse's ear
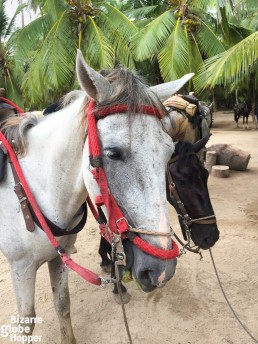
[[197, 146]]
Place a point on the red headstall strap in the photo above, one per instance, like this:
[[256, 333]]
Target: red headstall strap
[[117, 223]]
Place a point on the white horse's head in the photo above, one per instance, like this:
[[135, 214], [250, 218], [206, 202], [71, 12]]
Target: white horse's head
[[135, 150]]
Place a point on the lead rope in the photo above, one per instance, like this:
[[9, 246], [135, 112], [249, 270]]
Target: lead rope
[[124, 312], [119, 259], [228, 303]]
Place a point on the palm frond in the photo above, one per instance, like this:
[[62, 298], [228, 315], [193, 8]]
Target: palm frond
[[119, 30], [54, 8], [231, 66], [118, 22], [52, 66], [195, 55], [246, 5], [200, 4], [209, 43], [153, 37], [174, 57], [141, 12], [98, 52], [3, 21], [29, 38]]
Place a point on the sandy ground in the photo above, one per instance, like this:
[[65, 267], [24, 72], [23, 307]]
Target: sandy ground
[[191, 308]]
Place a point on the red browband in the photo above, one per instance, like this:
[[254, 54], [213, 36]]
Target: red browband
[[122, 108]]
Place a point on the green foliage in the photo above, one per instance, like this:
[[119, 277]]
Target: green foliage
[[208, 41], [231, 66], [175, 54], [45, 49], [153, 37], [163, 40]]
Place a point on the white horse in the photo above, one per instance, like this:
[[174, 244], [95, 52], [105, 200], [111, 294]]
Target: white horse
[[54, 158]]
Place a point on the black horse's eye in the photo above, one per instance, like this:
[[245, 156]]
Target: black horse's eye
[[114, 154]]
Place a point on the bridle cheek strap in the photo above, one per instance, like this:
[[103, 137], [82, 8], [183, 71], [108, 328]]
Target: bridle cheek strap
[[117, 222]]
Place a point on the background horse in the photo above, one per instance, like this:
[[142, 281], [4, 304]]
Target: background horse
[[135, 150], [242, 110], [190, 196]]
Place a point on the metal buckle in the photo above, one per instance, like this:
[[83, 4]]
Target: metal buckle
[[22, 199], [105, 282], [118, 254], [122, 219]]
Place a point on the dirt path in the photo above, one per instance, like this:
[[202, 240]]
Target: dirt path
[[190, 309]]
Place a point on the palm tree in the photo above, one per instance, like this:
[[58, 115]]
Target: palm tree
[[181, 38], [46, 48], [9, 79], [237, 67]]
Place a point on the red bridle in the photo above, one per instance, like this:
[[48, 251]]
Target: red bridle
[[117, 222]]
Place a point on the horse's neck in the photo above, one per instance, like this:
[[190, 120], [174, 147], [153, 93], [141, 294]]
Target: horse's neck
[[182, 129], [53, 164]]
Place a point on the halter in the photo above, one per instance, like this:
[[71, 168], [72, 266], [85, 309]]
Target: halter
[[187, 220], [117, 223]]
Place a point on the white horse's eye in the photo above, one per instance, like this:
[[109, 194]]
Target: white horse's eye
[[115, 154]]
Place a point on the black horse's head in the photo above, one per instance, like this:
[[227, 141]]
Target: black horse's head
[[188, 184]]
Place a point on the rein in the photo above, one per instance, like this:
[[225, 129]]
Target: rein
[[183, 214], [117, 223]]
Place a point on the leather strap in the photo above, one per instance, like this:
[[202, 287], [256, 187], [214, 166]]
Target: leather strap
[[23, 201], [57, 231], [30, 217]]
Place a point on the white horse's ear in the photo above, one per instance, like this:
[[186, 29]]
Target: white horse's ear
[[166, 90], [93, 83]]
